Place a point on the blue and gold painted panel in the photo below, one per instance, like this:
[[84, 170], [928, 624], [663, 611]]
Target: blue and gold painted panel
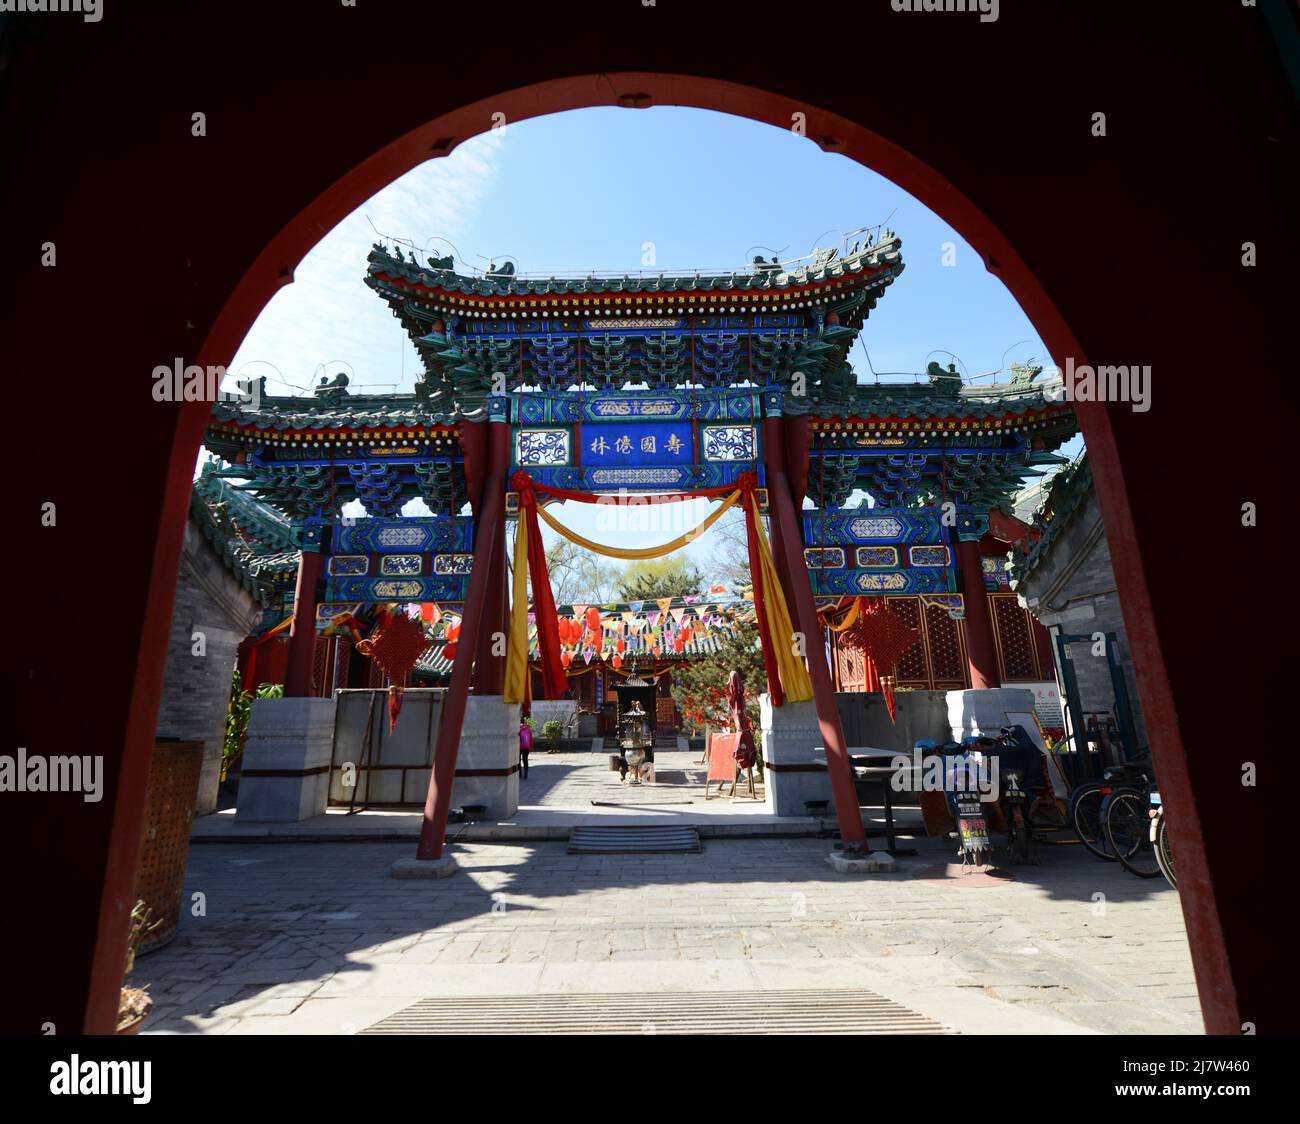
[[929, 555], [876, 583], [441, 588], [539, 409], [875, 525], [653, 441], [628, 444], [403, 535], [876, 557], [898, 551]]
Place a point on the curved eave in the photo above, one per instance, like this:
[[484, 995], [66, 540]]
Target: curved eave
[[885, 254]]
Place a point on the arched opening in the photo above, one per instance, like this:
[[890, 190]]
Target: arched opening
[[274, 265], [833, 134]]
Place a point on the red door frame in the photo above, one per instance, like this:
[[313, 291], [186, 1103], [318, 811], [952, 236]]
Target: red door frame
[[1208, 904]]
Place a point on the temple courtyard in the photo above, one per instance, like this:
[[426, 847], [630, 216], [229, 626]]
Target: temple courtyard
[[316, 937]]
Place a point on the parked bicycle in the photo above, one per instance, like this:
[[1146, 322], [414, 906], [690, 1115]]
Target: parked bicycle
[[1090, 802], [1128, 819], [1160, 841]]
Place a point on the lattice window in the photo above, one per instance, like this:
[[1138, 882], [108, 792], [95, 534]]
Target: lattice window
[[851, 667], [947, 655], [1015, 644], [343, 658], [320, 665], [913, 669]]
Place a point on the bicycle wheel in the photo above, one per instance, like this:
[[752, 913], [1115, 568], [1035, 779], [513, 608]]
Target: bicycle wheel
[[1086, 817], [1163, 855], [1128, 830]]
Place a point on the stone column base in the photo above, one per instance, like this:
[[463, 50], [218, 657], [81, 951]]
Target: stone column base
[[872, 862], [286, 767], [424, 868], [794, 758], [487, 763]]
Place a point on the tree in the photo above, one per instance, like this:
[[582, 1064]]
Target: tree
[[700, 688], [578, 576], [659, 577], [730, 544]]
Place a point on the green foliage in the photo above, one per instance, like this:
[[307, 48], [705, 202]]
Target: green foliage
[[674, 576], [237, 716], [552, 731], [700, 688]]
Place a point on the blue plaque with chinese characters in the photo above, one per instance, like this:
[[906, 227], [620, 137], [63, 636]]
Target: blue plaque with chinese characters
[[638, 443]]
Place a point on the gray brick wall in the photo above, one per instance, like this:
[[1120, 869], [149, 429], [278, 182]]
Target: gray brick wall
[[196, 688], [1072, 592]]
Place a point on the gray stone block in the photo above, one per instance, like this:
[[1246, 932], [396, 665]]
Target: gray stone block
[[292, 737]]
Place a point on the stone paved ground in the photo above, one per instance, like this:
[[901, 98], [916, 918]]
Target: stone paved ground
[[574, 780], [316, 937]]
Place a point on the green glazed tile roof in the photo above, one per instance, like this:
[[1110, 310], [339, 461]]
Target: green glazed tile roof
[[1064, 497], [824, 266]]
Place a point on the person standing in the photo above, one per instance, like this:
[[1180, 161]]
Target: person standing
[[525, 744]]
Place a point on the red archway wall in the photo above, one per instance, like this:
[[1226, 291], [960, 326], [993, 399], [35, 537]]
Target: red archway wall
[[1122, 249]]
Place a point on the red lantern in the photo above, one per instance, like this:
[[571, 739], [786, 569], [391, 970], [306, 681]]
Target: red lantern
[[593, 619], [565, 659], [617, 661], [621, 646], [449, 653]]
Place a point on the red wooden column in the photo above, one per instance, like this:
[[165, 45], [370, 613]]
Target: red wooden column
[[981, 648], [490, 667], [489, 541], [489, 670], [804, 611], [299, 678]]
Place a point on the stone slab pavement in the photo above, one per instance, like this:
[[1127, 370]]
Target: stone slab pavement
[[317, 938]]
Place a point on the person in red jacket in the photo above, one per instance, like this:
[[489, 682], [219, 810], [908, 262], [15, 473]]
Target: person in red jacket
[[525, 744]]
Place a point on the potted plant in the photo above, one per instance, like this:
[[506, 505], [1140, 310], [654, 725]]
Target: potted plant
[[134, 1005]]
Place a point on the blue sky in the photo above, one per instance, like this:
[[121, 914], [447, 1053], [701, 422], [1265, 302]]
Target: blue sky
[[586, 190]]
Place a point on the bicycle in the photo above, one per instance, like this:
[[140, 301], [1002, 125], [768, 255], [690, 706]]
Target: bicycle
[[1088, 805], [1160, 840], [1127, 821]]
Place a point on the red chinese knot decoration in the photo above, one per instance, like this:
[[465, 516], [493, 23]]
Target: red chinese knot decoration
[[397, 648], [883, 638]]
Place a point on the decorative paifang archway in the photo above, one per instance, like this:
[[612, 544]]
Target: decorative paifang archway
[[313, 128]]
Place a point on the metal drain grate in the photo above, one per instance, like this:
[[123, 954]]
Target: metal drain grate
[[632, 840], [852, 1011]]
